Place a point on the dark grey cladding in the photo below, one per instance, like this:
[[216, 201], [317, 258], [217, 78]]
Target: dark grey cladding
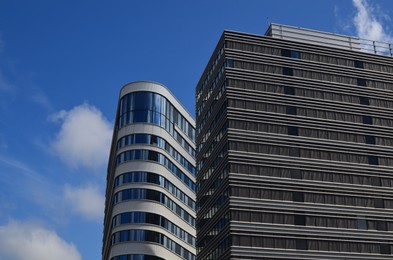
[[294, 151]]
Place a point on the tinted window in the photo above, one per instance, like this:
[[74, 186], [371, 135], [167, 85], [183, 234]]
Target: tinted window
[[358, 64], [370, 139], [293, 130], [296, 174], [301, 244], [287, 71], [364, 101], [290, 53], [298, 196], [289, 90], [300, 220], [368, 120], [291, 110], [372, 159], [362, 223], [361, 82], [385, 249], [378, 203]]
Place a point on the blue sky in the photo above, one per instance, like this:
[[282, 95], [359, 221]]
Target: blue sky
[[62, 64]]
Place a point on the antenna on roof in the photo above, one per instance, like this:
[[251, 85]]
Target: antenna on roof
[[267, 21]]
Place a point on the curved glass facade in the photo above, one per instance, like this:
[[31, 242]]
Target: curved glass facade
[[162, 197], [149, 107], [155, 140], [138, 235], [155, 219], [137, 257], [153, 195], [147, 155], [149, 177]]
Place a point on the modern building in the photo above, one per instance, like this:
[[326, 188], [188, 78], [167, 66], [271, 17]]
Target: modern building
[[294, 147], [150, 197]]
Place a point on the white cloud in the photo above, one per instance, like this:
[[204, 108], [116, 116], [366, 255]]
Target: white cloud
[[29, 241], [84, 138], [86, 201], [368, 22]]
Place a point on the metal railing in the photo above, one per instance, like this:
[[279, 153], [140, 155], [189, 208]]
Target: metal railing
[[329, 39], [381, 48]]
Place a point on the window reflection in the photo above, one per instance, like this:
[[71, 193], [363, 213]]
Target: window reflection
[[147, 194], [148, 107], [151, 236], [156, 179], [157, 141], [155, 219], [148, 155]]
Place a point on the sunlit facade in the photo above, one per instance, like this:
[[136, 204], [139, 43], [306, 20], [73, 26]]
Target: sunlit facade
[[150, 197], [294, 148]]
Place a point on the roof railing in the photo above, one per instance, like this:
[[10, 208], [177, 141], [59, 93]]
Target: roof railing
[[329, 39], [376, 47]]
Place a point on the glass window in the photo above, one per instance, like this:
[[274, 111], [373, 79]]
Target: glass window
[[293, 130], [290, 53], [294, 151], [368, 120], [300, 220], [382, 225], [298, 196], [229, 63], [364, 101], [361, 223], [140, 107], [143, 100], [370, 139], [125, 218], [301, 244], [373, 160], [385, 249], [291, 110], [296, 174], [289, 90], [358, 64], [287, 71], [361, 82], [286, 53], [157, 102], [141, 116], [375, 181], [124, 235], [379, 203], [295, 54]]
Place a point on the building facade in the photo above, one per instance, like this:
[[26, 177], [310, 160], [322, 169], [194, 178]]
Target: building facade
[[150, 197], [294, 148]]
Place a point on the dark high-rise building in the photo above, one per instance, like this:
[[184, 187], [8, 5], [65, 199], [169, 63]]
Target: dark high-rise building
[[294, 147], [150, 197]]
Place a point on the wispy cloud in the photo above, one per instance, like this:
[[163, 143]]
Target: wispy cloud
[[86, 201], [23, 168], [369, 22], [30, 241], [32, 185], [84, 138], [41, 99]]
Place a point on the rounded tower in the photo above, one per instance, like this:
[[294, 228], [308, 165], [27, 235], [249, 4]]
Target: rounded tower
[[150, 196]]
